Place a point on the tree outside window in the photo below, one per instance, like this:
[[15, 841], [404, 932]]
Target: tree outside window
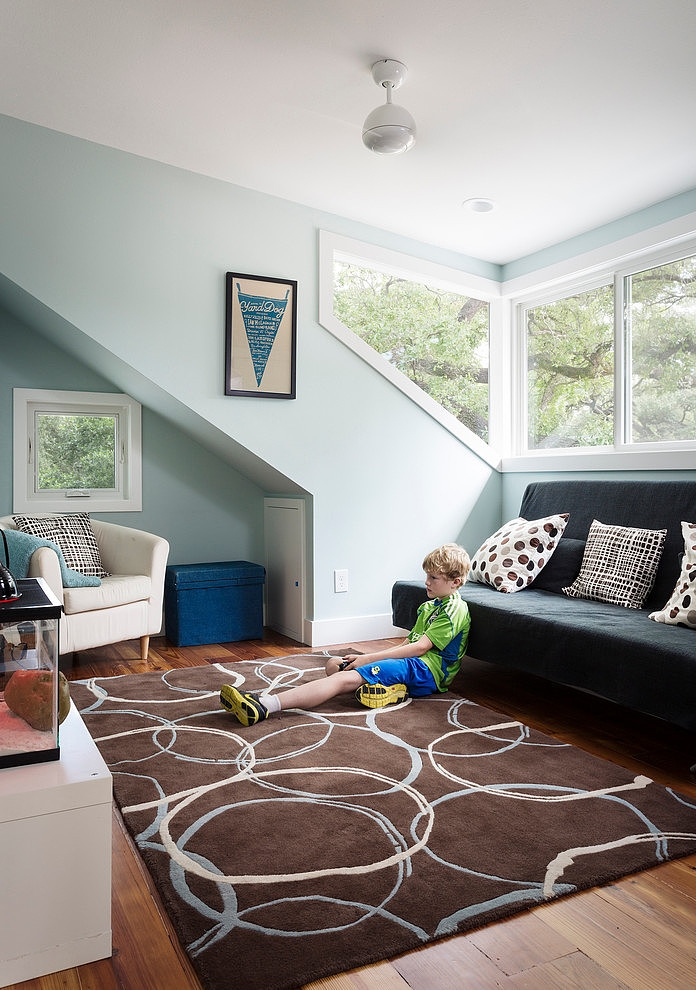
[[661, 325], [436, 338], [572, 372], [75, 452]]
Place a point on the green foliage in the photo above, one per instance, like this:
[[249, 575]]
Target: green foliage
[[663, 323], [570, 346], [76, 452], [438, 339], [570, 349]]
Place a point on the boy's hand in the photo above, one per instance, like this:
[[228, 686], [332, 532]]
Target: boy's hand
[[348, 661]]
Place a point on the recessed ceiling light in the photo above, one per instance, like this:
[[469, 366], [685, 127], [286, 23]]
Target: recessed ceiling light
[[478, 204]]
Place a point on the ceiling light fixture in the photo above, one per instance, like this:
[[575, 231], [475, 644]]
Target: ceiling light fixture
[[478, 204], [389, 130]]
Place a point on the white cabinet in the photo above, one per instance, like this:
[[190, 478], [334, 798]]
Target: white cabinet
[[55, 868], [284, 531]]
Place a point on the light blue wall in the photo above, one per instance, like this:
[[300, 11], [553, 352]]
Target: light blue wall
[[120, 263], [634, 223], [124, 260], [206, 509]]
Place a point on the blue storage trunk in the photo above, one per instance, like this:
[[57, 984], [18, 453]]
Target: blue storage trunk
[[220, 602]]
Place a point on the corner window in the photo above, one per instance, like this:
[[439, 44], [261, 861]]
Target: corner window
[[660, 329], [570, 371], [76, 451], [422, 326], [436, 338], [610, 365]]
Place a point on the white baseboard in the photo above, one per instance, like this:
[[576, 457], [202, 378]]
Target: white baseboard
[[332, 632]]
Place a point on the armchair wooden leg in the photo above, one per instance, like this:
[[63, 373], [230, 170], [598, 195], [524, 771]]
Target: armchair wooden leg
[[144, 647]]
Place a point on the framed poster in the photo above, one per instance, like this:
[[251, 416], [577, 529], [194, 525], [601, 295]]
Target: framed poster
[[260, 336]]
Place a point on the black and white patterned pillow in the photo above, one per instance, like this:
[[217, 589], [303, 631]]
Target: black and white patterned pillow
[[619, 564], [512, 557], [680, 610], [74, 535]]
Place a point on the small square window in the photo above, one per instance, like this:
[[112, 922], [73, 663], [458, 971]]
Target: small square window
[[76, 450]]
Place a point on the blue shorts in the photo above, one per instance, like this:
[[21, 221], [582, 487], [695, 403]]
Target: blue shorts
[[412, 672]]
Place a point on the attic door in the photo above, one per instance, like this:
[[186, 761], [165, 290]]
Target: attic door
[[284, 536]]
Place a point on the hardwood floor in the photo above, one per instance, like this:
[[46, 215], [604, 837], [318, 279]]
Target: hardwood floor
[[638, 933]]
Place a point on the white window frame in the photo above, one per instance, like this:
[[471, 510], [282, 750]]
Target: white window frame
[[506, 450], [665, 456], [623, 348], [334, 247], [520, 431], [125, 497]]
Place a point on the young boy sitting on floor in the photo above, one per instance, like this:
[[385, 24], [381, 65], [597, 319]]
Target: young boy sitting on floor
[[424, 663]]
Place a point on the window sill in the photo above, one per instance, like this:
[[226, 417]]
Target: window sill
[[95, 503], [607, 459]]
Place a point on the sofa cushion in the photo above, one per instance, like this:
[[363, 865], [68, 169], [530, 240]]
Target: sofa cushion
[[513, 556], [116, 589], [619, 565], [563, 567], [646, 504], [680, 610], [73, 534], [611, 651]]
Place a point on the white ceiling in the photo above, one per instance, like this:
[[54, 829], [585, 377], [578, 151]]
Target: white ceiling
[[567, 113]]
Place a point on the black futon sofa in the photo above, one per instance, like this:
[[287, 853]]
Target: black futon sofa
[[615, 652]]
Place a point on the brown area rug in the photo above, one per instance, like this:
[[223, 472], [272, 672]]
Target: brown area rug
[[319, 841]]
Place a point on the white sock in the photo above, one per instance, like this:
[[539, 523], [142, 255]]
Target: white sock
[[271, 702]]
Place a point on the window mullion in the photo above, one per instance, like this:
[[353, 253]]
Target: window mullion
[[521, 371], [622, 362]]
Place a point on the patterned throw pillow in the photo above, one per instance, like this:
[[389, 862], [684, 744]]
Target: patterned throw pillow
[[680, 610], [619, 565], [512, 557], [73, 534]]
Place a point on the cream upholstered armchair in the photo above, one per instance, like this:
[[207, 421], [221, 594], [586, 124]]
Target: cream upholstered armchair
[[127, 604]]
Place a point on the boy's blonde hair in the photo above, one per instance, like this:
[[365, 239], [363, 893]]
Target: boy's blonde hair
[[450, 560]]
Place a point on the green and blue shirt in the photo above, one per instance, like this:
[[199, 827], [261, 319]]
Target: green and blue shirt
[[446, 623]]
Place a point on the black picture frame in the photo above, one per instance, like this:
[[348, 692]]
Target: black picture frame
[[260, 336]]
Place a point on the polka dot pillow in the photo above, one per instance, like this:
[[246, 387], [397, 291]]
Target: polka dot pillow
[[513, 556], [680, 610]]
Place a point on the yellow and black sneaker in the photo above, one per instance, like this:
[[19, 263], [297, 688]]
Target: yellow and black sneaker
[[379, 696], [245, 706]]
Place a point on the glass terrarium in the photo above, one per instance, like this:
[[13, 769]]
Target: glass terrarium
[[29, 677]]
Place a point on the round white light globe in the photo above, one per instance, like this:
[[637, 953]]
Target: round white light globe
[[389, 130]]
